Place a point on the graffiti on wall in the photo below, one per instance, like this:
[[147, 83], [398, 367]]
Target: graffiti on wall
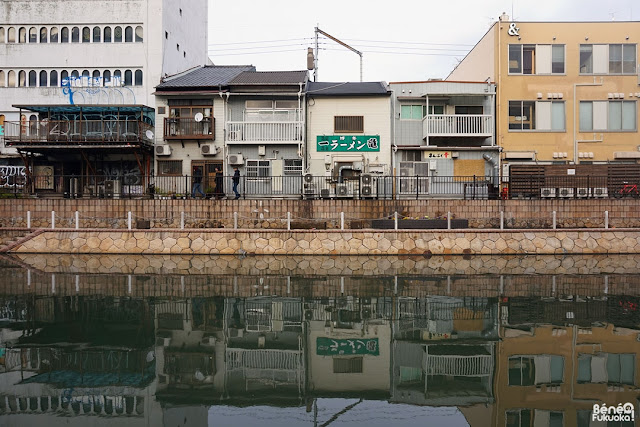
[[97, 90], [12, 176], [128, 172]]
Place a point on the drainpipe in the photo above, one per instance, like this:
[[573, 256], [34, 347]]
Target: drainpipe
[[489, 159], [575, 119]]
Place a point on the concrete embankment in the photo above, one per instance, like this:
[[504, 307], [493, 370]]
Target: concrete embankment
[[331, 242]]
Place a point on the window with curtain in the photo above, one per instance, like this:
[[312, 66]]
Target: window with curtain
[[53, 35], [96, 34], [33, 35], [412, 112], [64, 35], [610, 368], [43, 35], [608, 116]]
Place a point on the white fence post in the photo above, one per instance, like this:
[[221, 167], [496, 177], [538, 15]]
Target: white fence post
[[395, 221], [606, 219], [182, 220], [28, 219], [53, 219], [554, 220], [235, 220], [129, 220], [501, 220], [77, 220], [341, 220], [449, 220], [288, 220]]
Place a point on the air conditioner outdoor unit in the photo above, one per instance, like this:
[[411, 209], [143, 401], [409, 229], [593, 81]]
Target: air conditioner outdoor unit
[[365, 179], [548, 192], [208, 150], [308, 178], [112, 189], [583, 192], [342, 191], [565, 192], [163, 150], [367, 191], [600, 192], [236, 159], [325, 193]]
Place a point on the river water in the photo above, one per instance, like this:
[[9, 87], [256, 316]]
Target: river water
[[318, 341]]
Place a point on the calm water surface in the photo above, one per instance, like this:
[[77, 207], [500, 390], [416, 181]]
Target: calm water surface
[[347, 341]]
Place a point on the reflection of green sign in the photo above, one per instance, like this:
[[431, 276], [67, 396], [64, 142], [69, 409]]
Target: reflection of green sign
[[334, 347], [348, 143], [1, 130]]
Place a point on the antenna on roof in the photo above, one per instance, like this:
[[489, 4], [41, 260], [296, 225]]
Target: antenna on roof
[[329, 36]]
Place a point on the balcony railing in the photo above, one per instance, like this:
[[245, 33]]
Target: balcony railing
[[188, 128], [275, 131], [457, 365], [77, 132], [458, 125]]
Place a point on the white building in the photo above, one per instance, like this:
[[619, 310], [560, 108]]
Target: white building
[[81, 53]]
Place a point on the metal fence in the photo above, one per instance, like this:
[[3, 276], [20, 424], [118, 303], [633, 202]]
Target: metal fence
[[17, 182]]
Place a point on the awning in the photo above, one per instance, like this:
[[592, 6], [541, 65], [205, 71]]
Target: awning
[[88, 108]]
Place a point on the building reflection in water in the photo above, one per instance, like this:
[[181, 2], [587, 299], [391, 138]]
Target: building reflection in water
[[162, 348]]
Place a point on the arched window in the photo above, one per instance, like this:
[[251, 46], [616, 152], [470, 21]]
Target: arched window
[[117, 34], [86, 35], [32, 79], [33, 124], [64, 35], [106, 77], [1, 35], [11, 35], [11, 79], [128, 81], [128, 34], [95, 77], [107, 35], [75, 35], [53, 78], [117, 78], [53, 35], [96, 34], [85, 73], [75, 74], [22, 79], [43, 79], [138, 80], [43, 35], [64, 75], [33, 35], [22, 35], [139, 33], [2, 81]]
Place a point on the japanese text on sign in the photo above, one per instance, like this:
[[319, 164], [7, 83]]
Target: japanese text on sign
[[435, 155], [333, 347], [353, 143]]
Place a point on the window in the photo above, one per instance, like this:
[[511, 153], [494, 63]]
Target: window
[[536, 59], [128, 78], [11, 35], [352, 365], [533, 370], [32, 79], [2, 81], [608, 59], [169, 167], [11, 79], [33, 35], [117, 77], [608, 115], [85, 73], [75, 74], [139, 33], [107, 35], [138, 78], [258, 168], [524, 418], [53, 78], [106, 77], [43, 78], [412, 112], [1, 35], [64, 75], [537, 115], [86, 35], [348, 123], [96, 76], [293, 167], [64, 35], [607, 368], [128, 34], [43, 35], [117, 34], [96, 34], [75, 35], [22, 79], [22, 35], [53, 35]]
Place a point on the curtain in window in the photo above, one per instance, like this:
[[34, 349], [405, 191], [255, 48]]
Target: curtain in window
[[586, 116], [557, 116]]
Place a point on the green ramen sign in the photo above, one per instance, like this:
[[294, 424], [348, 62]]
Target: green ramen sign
[[348, 143], [335, 347]]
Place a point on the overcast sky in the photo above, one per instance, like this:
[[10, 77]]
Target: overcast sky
[[402, 40]]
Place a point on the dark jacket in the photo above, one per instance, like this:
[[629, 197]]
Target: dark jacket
[[236, 177]]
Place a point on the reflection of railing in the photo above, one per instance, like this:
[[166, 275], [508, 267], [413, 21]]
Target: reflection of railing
[[68, 405], [456, 365], [267, 366]]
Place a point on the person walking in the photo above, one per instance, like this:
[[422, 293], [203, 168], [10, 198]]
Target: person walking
[[219, 180], [236, 182], [197, 182]]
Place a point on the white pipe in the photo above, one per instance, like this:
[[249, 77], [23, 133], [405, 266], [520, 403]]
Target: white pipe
[[28, 219], [77, 220], [575, 117], [129, 220], [53, 219]]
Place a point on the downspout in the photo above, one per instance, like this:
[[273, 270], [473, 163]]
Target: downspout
[[301, 145], [575, 136]]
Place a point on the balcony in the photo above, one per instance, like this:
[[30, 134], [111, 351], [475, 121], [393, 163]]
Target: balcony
[[176, 128], [78, 133], [457, 125], [281, 132]]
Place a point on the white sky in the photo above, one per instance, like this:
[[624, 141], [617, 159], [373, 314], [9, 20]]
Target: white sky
[[422, 39]]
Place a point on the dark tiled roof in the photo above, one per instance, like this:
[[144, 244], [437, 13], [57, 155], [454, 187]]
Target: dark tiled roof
[[346, 89], [207, 76], [269, 78]]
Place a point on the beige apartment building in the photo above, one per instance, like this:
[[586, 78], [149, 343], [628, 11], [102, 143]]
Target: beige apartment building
[[566, 104]]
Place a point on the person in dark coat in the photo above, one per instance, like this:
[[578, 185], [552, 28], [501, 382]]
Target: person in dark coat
[[219, 193], [236, 182], [197, 182]]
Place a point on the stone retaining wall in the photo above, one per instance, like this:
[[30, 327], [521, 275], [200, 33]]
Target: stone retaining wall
[[317, 242]]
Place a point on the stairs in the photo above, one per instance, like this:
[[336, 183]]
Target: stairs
[[8, 243]]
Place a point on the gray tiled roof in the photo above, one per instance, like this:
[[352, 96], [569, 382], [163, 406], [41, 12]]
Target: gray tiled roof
[[346, 88], [270, 78], [206, 76]]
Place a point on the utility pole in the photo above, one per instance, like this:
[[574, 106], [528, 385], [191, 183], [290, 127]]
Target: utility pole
[[329, 36]]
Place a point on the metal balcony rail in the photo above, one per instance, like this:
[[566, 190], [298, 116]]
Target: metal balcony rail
[[457, 365], [77, 132], [183, 128], [458, 125], [280, 131]]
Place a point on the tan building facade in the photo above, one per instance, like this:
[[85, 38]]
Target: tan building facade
[[567, 92]]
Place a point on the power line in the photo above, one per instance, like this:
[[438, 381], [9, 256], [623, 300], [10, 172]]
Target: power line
[[260, 41]]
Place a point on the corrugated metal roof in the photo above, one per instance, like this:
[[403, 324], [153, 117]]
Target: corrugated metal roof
[[270, 78], [347, 88], [206, 76]]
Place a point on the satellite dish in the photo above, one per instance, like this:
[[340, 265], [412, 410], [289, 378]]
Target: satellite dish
[[149, 134], [198, 117]]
